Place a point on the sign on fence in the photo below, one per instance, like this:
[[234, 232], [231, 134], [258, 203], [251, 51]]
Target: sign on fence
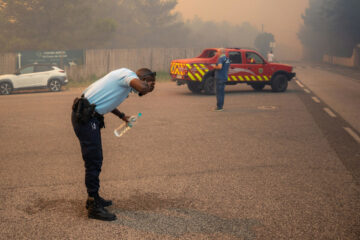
[[57, 57]]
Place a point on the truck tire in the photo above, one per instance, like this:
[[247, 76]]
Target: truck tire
[[209, 85], [258, 86], [279, 83], [5, 88], [194, 87]]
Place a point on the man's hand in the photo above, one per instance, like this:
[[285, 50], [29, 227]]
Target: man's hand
[[121, 115], [125, 118], [217, 66]]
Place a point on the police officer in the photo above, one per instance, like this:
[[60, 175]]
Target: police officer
[[101, 97], [221, 76]]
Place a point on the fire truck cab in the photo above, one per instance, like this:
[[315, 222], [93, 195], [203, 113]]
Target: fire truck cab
[[246, 66]]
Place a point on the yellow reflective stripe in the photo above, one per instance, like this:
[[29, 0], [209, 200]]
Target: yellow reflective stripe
[[198, 76], [204, 67], [200, 71], [253, 78], [172, 68], [241, 78], [191, 76], [259, 77], [266, 78], [234, 78], [247, 78], [229, 78]]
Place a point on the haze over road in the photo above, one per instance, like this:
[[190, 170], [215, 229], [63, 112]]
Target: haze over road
[[269, 167]]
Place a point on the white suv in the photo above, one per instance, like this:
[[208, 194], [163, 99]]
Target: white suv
[[33, 77]]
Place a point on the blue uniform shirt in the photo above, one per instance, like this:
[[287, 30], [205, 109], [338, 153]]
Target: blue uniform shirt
[[222, 73], [110, 91]]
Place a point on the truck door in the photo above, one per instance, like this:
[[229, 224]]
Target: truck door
[[260, 71], [237, 70]]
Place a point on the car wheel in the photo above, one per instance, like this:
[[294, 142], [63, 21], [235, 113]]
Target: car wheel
[[54, 85], [279, 83], [210, 85], [194, 87], [5, 88], [258, 86]]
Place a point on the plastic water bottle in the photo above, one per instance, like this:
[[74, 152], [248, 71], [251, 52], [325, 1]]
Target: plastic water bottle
[[124, 127]]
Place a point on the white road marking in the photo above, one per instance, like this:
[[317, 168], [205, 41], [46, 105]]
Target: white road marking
[[353, 134], [316, 99], [299, 83], [328, 111], [307, 90]]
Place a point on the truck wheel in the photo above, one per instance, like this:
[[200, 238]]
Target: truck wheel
[[194, 87], [258, 86], [5, 88], [54, 85], [209, 85], [279, 83]]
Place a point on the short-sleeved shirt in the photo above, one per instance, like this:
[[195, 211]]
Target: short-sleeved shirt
[[110, 91], [270, 57], [222, 73]]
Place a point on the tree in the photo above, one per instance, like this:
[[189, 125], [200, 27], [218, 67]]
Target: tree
[[330, 27], [262, 42], [211, 34], [42, 24]]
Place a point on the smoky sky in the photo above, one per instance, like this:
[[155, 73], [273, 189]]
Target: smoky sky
[[279, 17]]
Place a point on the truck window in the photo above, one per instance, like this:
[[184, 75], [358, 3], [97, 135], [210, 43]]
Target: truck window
[[208, 54], [253, 58], [235, 57]]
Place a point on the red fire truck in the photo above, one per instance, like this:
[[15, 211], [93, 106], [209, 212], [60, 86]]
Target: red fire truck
[[247, 66]]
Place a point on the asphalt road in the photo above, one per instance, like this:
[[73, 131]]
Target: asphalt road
[[271, 166]]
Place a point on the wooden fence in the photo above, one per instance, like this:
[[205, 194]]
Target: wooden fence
[[7, 63], [98, 62], [353, 61]]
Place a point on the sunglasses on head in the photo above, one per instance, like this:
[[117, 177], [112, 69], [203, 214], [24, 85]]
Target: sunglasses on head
[[152, 74]]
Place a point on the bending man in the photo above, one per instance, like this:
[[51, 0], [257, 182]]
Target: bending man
[[101, 97]]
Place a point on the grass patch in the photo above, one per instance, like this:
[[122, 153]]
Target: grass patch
[[82, 83]]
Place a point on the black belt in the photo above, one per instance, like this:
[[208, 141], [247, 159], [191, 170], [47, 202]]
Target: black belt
[[97, 115]]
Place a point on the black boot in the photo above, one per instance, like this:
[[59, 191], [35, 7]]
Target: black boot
[[97, 211], [103, 202]]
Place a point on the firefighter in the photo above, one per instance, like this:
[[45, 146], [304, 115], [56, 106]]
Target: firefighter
[[101, 97], [221, 76]]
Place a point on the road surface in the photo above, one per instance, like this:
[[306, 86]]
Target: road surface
[[271, 166]]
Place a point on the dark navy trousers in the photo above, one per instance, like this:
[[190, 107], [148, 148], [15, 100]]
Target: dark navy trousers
[[91, 148], [220, 93]]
